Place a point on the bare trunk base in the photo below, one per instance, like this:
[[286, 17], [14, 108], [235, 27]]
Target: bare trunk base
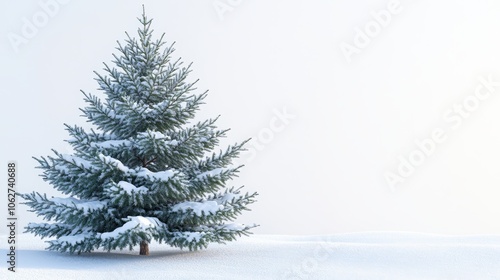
[[144, 248]]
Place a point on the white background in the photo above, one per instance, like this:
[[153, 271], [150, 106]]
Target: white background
[[323, 172]]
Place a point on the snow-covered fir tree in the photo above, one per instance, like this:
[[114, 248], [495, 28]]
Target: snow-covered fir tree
[[145, 171]]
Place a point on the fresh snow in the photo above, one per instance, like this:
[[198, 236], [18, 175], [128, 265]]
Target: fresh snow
[[129, 188], [211, 173], [356, 256], [78, 161], [111, 143], [113, 115], [85, 205], [158, 135], [142, 223], [155, 134], [191, 236], [161, 175], [142, 172], [118, 164], [228, 197], [198, 207], [172, 142], [232, 227]]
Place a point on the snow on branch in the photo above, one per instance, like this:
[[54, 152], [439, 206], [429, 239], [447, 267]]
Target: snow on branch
[[212, 173], [134, 223], [230, 197], [199, 208], [86, 206], [163, 176], [188, 236], [233, 227], [129, 188], [143, 172], [111, 144], [158, 136], [114, 162], [76, 161]]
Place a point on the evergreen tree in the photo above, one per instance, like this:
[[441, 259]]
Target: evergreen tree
[[145, 171]]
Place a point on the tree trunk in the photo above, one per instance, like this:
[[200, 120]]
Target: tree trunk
[[144, 248]]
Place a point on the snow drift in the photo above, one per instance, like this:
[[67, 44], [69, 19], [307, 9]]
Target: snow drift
[[341, 256]]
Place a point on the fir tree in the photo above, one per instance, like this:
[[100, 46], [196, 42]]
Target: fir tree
[[145, 171]]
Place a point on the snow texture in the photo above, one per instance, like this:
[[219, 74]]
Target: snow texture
[[228, 197], [142, 172], [85, 205], [161, 175], [158, 135], [233, 227], [118, 164], [129, 188], [191, 236], [199, 207], [138, 222], [113, 115], [112, 143], [357, 256], [78, 161], [211, 173]]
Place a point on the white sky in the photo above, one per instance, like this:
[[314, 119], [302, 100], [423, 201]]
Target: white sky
[[323, 172]]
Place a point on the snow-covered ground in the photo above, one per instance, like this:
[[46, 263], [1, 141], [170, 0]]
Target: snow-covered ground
[[342, 256]]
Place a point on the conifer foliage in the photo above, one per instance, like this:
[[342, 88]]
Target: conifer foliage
[[145, 170]]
